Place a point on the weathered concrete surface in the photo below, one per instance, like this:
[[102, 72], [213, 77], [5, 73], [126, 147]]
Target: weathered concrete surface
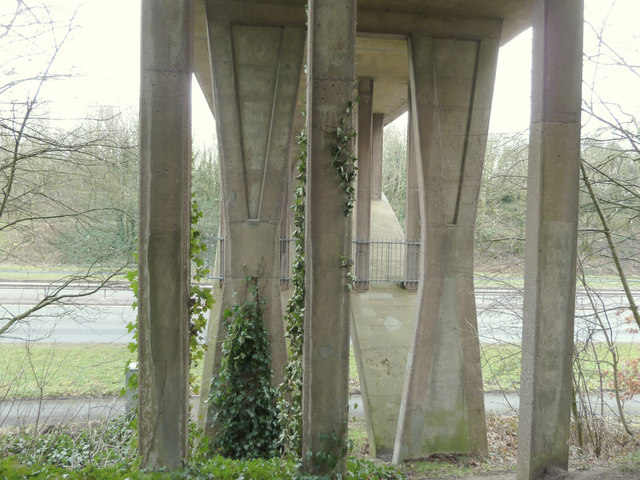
[[451, 89], [330, 86], [164, 232], [256, 71], [381, 335], [552, 218]]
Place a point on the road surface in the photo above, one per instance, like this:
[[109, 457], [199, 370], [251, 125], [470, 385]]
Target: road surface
[[103, 316]]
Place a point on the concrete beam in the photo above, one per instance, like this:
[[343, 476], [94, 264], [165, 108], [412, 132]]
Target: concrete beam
[[330, 86], [396, 23], [552, 219], [442, 409], [164, 232]]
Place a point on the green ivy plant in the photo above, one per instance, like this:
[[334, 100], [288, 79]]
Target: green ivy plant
[[246, 417], [200, 298], [14, 467], [290, 390], [335, 449], [200, 301], [346, 263], [343, 159]]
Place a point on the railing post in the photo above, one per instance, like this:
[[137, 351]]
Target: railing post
[[361, 264], [285, 263]]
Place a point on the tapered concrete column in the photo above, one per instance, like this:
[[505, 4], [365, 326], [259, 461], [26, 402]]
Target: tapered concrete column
[[256, 73], [442, 407], [552, 218], [412, 212], [164, 232], [377, 141], [330, 86], [363, 192]]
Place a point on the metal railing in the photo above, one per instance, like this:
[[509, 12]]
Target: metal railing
[[375, 261], [390, 261]]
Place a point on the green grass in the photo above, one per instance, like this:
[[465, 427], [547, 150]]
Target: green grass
[[501, 365], [502, 280], [95, 370], [358, 440], [62, 370], [22, 273]]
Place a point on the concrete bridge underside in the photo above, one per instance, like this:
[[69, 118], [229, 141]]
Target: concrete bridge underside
[[435, 58]]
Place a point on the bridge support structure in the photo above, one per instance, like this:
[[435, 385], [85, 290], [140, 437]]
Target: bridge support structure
[[256, 51]]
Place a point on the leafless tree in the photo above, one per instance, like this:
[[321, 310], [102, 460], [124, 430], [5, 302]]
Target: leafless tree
[[52, 170]]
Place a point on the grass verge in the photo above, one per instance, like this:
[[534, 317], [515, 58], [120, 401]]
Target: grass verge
[[94, 370], [62, 370], [22, 273]]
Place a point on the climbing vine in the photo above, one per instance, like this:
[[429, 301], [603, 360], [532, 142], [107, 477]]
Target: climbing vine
[[290, 390], [346, 263], [335, 450], [200, 300], [343, 158], [245, 418]]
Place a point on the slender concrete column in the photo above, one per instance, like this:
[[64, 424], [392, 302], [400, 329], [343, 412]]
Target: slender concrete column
[[363, 189], [376, 155], [552, 218], [164, 232], [256, 73], [285, 232], [442, 407], [412, 211], [330, 86]]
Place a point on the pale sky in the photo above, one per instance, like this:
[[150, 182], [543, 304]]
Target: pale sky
[[103, 52]]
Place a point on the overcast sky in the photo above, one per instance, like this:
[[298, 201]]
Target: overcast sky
[[103, 53]]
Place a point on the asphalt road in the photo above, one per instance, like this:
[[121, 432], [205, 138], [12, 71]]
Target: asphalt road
[[102, 317]]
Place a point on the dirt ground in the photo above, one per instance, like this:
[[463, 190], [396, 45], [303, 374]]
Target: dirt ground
[[600, 473]]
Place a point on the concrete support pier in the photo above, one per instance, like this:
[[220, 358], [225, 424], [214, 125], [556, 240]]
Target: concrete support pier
[[330, 86], [412, 220], [164, 232], [552, 218], [256, 64], [377, 143], [363, 191], [442, 409]]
